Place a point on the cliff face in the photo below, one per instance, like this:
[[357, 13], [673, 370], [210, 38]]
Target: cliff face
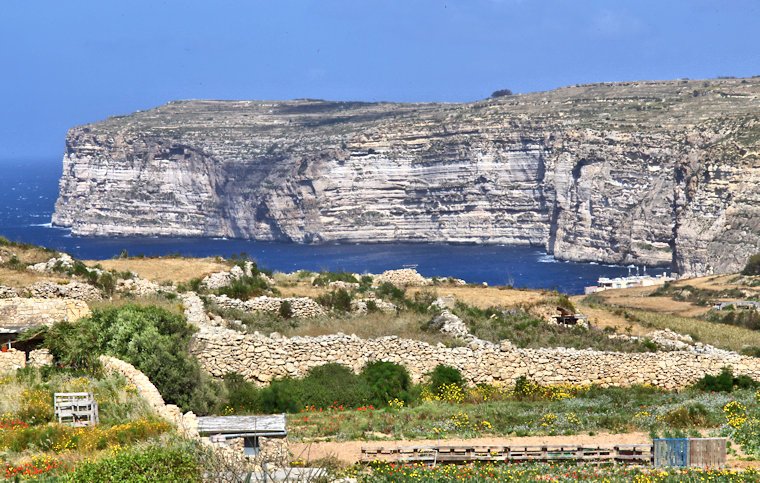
[[653, 172]]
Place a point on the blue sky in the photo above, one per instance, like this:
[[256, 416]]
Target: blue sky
[[70, 62]]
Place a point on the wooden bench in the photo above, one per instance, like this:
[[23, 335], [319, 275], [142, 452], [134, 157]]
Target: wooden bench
[[76, 408]]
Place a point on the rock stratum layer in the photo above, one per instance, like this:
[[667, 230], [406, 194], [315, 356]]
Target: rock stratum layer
[[659, 173]]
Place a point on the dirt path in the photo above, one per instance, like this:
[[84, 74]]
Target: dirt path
[[350, 451]]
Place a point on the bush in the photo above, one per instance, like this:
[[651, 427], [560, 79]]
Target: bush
[[242, 396], [157, 463], [338, 300], [286, 310], [445, 375], [325, 278], [326, 386], [36, 406], [389, 291], [724, 382], [245, 287], [386, 381], [152, 339], [753, 265], [372, 306], [690, 416]]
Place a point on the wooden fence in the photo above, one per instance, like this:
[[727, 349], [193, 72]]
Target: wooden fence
[[635, 453]]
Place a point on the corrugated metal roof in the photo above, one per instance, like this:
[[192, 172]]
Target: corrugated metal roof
[[273, 425]]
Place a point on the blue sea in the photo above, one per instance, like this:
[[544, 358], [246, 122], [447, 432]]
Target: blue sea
[[28, 190]]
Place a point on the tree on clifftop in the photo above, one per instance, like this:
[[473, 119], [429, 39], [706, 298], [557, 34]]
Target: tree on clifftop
[[501, 93]]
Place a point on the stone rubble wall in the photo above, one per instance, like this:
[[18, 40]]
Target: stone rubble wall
[[218, 280], [186, 423], [8, 292], [405, 277], [72, 290], [303, 307], [40, 358], [11, 360], [360, 306], [139, 287], [38, 311], [64, 261], [260, 359]]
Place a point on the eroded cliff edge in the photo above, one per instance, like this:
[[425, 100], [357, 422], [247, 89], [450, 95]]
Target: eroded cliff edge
[[662, 173]]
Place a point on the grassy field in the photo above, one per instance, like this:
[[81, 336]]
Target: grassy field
[[557, 472], [28, 431], [618, 410], [720, 335]]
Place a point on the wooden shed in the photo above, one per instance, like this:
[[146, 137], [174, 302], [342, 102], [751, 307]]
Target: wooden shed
[[249, 428]]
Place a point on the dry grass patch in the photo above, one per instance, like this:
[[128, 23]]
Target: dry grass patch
[[25, 278], [485, 297], [719, 335], [164, 269], [602, 318], [640, 299]]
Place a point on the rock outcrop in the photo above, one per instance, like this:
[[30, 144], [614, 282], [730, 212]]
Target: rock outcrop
[[660, 173]]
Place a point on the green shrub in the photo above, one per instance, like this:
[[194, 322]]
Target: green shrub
[[242, 396], [749, 319], [694, 415], [564, 301], [386, 381], [245, 287], [152, 339], [326, 386], [14, 263], [338, 300], [281, 396], [753, 265], [444, 375], [388, 291], [372, 306], [421, 301], [724, 382], [325, 278], [286, 310], [157, 463]]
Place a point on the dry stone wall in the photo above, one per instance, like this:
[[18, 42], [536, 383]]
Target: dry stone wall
[[71, 289], [21, 312], [302, 307], [187, 423], [8, 292], [11, 360], [260, 359]]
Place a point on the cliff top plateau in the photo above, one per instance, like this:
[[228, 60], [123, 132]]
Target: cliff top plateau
[[655, 172]]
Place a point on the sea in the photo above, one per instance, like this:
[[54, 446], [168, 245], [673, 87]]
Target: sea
[[28, 190]]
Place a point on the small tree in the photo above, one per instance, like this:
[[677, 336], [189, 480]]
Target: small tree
[[502, 93]]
